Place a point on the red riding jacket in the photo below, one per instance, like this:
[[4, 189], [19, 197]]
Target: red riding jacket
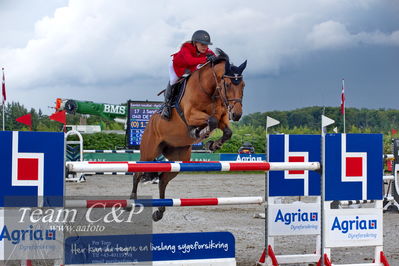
[[188, 58]]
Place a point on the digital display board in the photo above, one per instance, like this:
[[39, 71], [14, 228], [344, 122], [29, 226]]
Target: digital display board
[[139, 113]]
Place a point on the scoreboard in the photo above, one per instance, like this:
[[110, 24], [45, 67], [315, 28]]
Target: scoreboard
[[139, 113]]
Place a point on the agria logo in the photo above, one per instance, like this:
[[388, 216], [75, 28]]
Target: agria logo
[[30, 234], [346, 225], [299, 216]]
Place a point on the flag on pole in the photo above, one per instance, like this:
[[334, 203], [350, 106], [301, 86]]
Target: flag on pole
[[343, 103], [59, 117], [326, 121], [25, 119], [271, 122], [3, 88], [343, 98]]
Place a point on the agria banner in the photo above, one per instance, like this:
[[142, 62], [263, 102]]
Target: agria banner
[[294, 148], [32, 175], [32, 169], [297, 218], [353, 171], [353, 167]]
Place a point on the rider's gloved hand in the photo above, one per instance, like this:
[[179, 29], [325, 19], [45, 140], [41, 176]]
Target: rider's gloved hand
[[211, 57]]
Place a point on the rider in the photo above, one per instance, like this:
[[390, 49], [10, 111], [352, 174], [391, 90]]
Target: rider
[[192, 53]]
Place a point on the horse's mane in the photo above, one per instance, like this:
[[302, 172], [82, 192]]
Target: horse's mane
[[221, 56]]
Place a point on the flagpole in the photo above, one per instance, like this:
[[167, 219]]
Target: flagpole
[[3, 92], [343, 101], [3, 117]]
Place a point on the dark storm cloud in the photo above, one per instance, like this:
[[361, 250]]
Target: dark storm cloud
[[297, 51]]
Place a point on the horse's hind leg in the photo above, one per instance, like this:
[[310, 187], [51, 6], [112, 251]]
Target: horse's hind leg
[[136, 180], [149, 153], [173, 154], [163, 182]]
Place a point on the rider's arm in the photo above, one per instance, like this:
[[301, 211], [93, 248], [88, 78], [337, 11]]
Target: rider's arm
[[191, 60]]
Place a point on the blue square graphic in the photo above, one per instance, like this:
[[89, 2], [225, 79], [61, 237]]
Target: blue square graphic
[[279, 185], [336, 187], [49, 145]]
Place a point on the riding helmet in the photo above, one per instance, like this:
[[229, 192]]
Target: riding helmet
[[202, 37]]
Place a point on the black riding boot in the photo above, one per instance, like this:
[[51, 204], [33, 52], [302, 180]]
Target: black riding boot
[[167, 110]]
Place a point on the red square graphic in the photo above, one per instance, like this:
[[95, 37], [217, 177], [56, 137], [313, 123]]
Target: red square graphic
[[299, 159], [28, 169], [354, 166]]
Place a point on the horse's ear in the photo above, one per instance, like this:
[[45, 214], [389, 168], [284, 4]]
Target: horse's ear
[[242, 67]]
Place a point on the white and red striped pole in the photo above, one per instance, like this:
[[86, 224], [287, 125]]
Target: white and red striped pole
[[163, 202], [84, 167]]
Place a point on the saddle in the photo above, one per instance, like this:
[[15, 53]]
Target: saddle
[[178, 95], [178, 92]]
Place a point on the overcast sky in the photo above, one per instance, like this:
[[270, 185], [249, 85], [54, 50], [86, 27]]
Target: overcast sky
[[112, 51]]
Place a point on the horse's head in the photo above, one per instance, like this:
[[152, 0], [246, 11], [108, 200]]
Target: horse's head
[[228, 82], [233, 87]]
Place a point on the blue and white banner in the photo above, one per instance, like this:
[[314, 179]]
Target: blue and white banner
[[32, 165], [353, 227], [297, 218], [257, 157], [27, 233], [149, 247], [353, 167], [294, 148]]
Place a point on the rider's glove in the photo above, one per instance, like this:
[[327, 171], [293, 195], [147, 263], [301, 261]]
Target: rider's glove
[[211, 57]]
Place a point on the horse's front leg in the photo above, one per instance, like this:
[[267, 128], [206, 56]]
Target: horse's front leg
[[197, 121], [212, 125], [217, 144], [227, 133]]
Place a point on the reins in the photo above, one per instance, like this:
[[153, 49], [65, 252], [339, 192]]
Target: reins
[[216, 93]]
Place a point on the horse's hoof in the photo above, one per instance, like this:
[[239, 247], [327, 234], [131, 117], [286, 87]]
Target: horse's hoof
[[209, 145], [157, 215], [216, 147], [128, 208], [194, 133], [213, 145], [133, 196]]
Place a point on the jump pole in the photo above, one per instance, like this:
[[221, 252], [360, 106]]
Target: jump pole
[[84, 167], [163, 202], [325, 122]]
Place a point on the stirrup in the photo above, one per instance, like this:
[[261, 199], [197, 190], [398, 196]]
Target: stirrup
[[166, 112]]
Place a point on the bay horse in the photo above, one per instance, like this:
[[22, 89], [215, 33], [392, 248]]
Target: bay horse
[[213, 96]]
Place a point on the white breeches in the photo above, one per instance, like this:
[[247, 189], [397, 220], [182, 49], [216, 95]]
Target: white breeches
[[173, 78]]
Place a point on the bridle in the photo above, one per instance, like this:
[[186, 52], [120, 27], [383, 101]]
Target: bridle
[[227, 101]]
